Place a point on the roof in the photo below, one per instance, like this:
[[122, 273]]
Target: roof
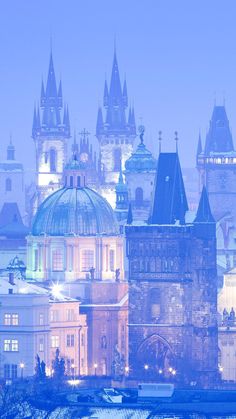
[[141, 160], [11, 224], [21, 287], [170, 202], [219, 137], [204, 214], [75, 212]]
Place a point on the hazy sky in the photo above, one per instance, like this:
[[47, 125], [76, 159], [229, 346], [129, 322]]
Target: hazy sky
[[178, 57]]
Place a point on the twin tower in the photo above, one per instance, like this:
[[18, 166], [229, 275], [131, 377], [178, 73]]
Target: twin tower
[[51, 133]]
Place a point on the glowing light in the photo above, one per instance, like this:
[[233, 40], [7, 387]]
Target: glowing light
[[170, 369], [95, 365], [74, 382], [160, 371], [22, 365], [127, 369], [146, 367], [173, 372], [56, 290], [221, 369]]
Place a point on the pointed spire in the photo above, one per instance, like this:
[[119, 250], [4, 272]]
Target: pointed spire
[[121, 180], [130, 117], [105, 95], [68, 120], [170, 202], [38, 119], [100, 125], [199, 146], [34, 126], [130, 215], [204, 214], [42, 97], [125, 94], [75, 148], [59, 95], [51, 88]]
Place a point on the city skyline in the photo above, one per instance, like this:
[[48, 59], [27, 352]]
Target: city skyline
[[167, 67]]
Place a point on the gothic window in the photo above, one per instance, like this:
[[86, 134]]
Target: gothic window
[[117, 159], [139, 196], [155, 304], [87, 260], [8, 185], [57, 260], [53, 160], [103, 342]]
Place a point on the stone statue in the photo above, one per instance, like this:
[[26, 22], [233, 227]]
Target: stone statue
[[92, 272]]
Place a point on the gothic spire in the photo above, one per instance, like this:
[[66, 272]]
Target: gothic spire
[[204, 214], [170, 202], [105, 95], [99, 127], [59, 95], [42, 98], [219, 137], [199, 145], [51, 88], [130, 215], [125, 94]]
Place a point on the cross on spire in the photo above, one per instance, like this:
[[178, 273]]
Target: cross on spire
[[160, 140]]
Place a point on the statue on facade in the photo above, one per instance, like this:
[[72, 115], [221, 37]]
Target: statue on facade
[[92, 273], [117, 274]]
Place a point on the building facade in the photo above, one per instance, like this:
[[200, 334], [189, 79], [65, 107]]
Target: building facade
[[173, 286], [216, 164]]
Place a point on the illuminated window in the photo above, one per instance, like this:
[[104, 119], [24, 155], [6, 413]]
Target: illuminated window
[[55, 341], [14, 345], [53, 160], [54, 315], [70, 340], [112, 260], [7, 345], [14, 371], [7, 319], [15, 319], [87, 260], [8, 185], [57, 260], [41, 319], [41, 345]]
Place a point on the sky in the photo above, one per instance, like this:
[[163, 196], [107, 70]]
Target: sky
[[179, 58]]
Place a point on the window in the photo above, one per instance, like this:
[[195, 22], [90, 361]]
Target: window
[[70, 340], [7, 319], [8, 185], [15, 319], [7, 345], [53, 160], [41, 319], [7, 371], [117, 159], [139, 196], [112, 260], [70, 314], [87, 260], [41, 345], [14, 371], [55, 341], [70, 258], [57, 260], [11, 345], [36, 259], [78, 181], [71, 181], [54, 315], [82, 339], [14, 345], [155, 304]]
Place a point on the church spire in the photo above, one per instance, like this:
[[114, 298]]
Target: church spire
[[204, 214], [51, 88], [219, 137], [10, 150], [105, 95], [125, 94], [170, 202], [99, 127], [199, 145]]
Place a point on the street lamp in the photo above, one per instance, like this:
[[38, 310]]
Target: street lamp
[[146, 367], [22, 366], [160, 371], [73, 370], [95, 368], [173, 372]]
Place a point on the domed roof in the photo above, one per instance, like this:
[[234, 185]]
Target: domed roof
[[75, 211], [141, 160]]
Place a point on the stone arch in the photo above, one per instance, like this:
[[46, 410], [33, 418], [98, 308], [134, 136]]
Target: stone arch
[[157, 353]]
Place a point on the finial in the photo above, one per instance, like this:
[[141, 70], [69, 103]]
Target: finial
[[141, 130], [10, 138], [176, 140], [115, 44], [160, 140]]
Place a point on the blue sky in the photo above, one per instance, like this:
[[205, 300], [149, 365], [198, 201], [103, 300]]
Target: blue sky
[[178, 56]]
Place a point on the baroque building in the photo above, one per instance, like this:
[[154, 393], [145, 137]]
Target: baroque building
[[216, 164], [173, 286], [50, 134], [75, 242], [115, 133]]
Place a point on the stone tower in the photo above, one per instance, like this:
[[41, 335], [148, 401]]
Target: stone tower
[[115, 134], [173, 286], [12, 187], [216, 164], [50, 134]]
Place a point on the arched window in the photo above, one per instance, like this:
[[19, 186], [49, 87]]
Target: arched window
[[139, 196], [8, 186], [71, 181], [53, 160], [117, 159]]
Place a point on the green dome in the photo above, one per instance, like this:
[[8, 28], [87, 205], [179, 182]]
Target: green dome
[[75, 211], [141, 160]]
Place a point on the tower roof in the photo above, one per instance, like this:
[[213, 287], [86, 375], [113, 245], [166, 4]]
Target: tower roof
[[141, 160], [170, 202], [219, 138], [204, 214]]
